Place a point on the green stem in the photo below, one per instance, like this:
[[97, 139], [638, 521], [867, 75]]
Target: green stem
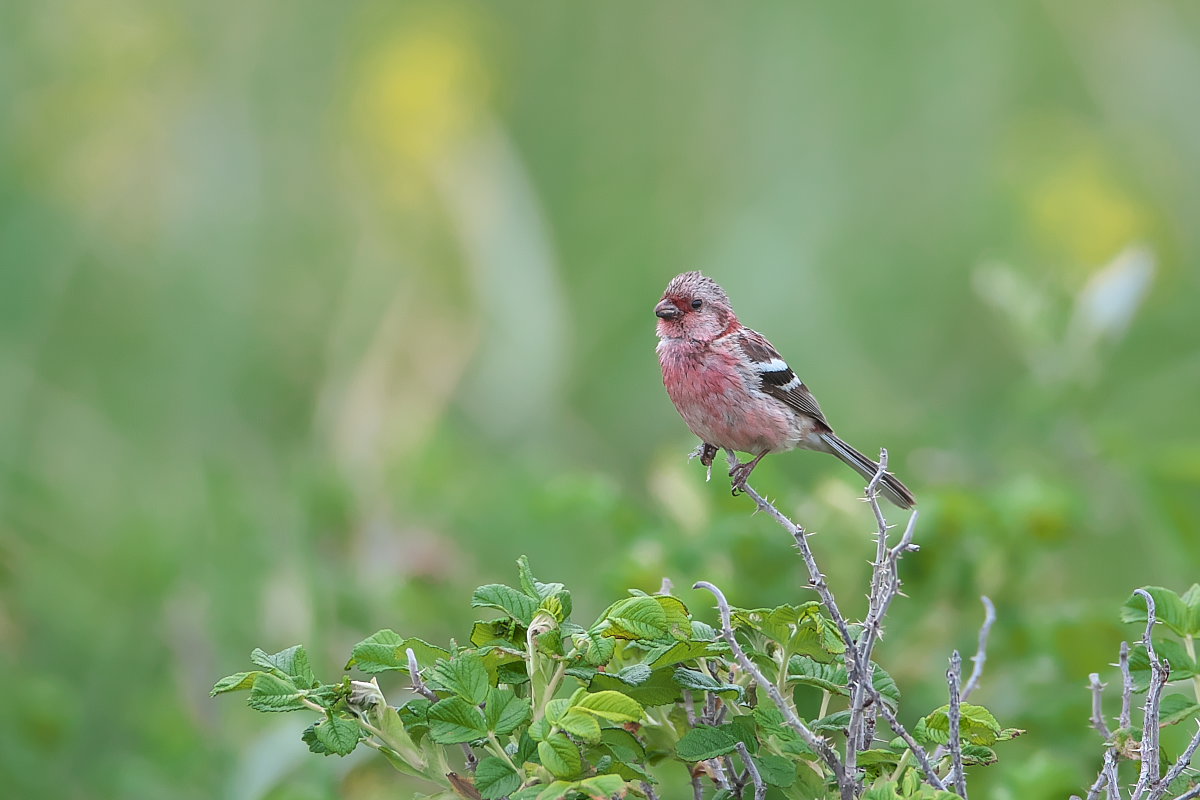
[[903, 763], [1189, 644], [552, 686], [825, 696], [495, 746]]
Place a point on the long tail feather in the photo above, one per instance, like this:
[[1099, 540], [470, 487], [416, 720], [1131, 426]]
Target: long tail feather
[[889, 485]]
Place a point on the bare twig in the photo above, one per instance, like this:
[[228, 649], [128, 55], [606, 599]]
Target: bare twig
[[414, 674], [690, 707], [1177, 768], [1126, 688], [818, 744], [1098, 706], [648, 790], [760, 788], [954, 680], [1160, 671], [697, 785], [980, 657], [1110, 771], [918, 751]]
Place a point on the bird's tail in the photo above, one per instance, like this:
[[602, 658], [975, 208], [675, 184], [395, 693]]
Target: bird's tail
[[889, 486]]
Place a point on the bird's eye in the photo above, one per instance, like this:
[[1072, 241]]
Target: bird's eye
[[697, 303]]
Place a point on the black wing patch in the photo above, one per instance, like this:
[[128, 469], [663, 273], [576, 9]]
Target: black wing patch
[[777, 377]]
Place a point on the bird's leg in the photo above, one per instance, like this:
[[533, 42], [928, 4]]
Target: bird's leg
[[741, 472]]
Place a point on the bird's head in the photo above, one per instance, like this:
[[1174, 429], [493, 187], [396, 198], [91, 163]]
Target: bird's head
[[694, 307]]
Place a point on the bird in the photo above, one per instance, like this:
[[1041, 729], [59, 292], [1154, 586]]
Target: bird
[[737, 393]]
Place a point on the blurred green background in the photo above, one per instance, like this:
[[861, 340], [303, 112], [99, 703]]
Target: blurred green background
[[316, 315]]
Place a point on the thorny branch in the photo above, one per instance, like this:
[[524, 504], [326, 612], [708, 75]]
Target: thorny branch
[[953, 680], [816, 743], [1160, 671], [885, 585]]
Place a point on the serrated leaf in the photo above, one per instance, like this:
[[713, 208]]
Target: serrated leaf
[[503, 632], [977, 725], [338, 735], [269, 692], [415, 716], [704, 742], [976, 755], [610, 705], [292, 662], [776, 770], [837, 721], [1169, 609], [560, 755], [660, 689], [531, 585], [1176, 708], [1182, 665], [743, 728], [641, 618], [507, 599], [464, 675], [679, 619], [679, 652], [635, 674], [598, 650], [623, 744], [881, 790], [237, 682], [504, 712], [557, 605], [581, 725], [868, 757], [495, 779], [387, 650], [454, 720], [831, 678], [600, 787], [699, 681]]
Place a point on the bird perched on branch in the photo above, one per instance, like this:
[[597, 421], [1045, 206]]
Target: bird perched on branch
[[736, 392]]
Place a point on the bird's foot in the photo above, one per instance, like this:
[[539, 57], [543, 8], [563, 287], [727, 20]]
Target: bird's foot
[[738, 476]]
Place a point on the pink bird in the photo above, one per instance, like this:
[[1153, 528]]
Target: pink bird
[[734, 390]]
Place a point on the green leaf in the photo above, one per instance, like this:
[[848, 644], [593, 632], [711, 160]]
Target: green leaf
[[776, 770], [503, 632], [557, 605], [679, 620], [292, 663], [869, 757], [679, 652], [465, 675], [831, 678], [507, 599], [835, 722], [881, 790], [557, 709], [1182, 665], [337, 735], [272, 693], [613, 706], [495, 779], [505, 712], [1191, 599], [976, 755], [415, 716], [704, 742], [693, 679], [601, 787], [531, 585], [560, 755], [623, 744], [1169, 609], [743, 728], [455, 720], [635, 674], [387, 650], [635, 618], [238, 681], [596, 650], [659, 690], [977, 725], [581, 725], [1176, 708]]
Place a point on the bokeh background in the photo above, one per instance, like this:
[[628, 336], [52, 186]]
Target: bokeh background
[[314, 316]]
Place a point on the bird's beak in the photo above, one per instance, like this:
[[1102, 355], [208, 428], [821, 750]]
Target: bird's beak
[[667, 310]]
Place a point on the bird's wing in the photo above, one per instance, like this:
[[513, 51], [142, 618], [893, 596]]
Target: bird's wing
[[777, 377]]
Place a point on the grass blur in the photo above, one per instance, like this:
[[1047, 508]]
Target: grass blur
[[315, 317]]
